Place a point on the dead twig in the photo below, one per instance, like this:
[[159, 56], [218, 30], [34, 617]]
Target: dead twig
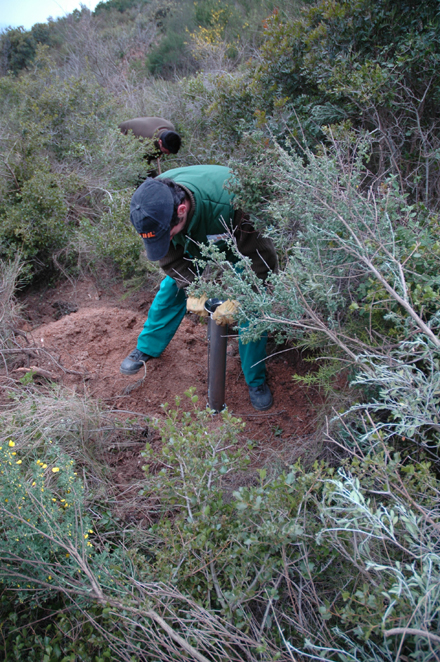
[[414, 631], [30, 351], [38, 372], [128, 389], [268, 415]]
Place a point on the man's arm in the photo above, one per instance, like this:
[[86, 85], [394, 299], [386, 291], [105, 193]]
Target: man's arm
[[177, 266], [252, 244]]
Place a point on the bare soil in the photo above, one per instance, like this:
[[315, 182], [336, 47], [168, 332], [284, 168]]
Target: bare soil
[[87, 331]]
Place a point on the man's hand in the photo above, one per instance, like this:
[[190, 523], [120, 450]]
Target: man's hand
[[226, 313], [197, 305]]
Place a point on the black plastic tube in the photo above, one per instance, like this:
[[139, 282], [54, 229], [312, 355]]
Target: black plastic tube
[[217, 344]]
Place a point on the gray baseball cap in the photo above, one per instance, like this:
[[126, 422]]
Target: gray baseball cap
[[151, 210]]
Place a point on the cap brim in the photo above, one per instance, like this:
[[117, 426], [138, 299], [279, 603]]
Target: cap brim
[[158, 248]]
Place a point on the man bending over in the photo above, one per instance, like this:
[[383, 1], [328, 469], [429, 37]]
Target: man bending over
[[173, 213]]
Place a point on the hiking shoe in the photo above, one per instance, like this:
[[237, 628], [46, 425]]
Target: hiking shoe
[[134, 362], [261, 397]]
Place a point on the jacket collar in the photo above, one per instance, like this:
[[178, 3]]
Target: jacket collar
[[192, 209], [182, 237]]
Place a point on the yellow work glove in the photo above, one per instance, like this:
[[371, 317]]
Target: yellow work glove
[[225, 313], [197, 305]]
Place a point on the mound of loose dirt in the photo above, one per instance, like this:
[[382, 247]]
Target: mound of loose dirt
[[87, 333]]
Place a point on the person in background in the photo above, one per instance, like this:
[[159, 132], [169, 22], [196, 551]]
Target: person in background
[[166, 140], [174, 214]]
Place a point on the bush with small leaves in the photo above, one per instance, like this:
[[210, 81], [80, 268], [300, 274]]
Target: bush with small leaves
[[46, 537]]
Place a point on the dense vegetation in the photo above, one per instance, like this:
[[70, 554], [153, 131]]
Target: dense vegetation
[[328, 113]]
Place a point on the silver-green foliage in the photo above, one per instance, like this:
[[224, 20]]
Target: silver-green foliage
[[407, 391], [359, 263], [332, 564], [359, 270]]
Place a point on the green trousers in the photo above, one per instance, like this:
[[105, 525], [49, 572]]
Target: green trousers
[[165, 314]]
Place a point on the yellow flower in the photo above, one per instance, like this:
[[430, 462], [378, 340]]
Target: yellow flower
[[44, 466], [13, 453], [50, 577], [90, 531], [19, 461], [11, 444], [55, 469], [86, 535], [34, 483]]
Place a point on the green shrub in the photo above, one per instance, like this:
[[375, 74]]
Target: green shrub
[[313, 560], [37, 224], [169, 57], [46, 535], [112, 240], [51, 633], [64, 158], [355, 63], [18, 46], [339, 246], [255, 566], [118, 5]]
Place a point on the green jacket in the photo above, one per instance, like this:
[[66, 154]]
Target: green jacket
[[212, 209]]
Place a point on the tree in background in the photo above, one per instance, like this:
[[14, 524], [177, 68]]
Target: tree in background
[[370, 65], [18, 47]]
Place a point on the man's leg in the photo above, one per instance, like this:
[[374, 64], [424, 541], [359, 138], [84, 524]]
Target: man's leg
[[164, 317], [165, 314], [253, 355]]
